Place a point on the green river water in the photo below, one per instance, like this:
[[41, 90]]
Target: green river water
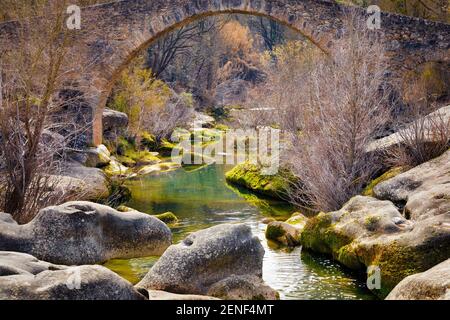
[[201, 198]]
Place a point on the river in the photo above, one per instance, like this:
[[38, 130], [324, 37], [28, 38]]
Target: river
[[200, 197]]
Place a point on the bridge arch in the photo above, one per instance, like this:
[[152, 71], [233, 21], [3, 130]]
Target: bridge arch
[[112, 34], [132, 25]]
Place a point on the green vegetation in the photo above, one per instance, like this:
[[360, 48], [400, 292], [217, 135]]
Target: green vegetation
[[249, 176], [274, 232], [368, 191], [167, 218]]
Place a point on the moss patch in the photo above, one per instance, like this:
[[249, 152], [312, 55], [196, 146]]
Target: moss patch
[[368, 191], [395, 259], [168, 217], [274, 231], [249, 176]]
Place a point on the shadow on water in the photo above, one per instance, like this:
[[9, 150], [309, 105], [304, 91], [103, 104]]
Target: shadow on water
[[201, 198]]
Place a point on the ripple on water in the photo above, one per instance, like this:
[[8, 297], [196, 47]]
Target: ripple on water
[[202, 199]]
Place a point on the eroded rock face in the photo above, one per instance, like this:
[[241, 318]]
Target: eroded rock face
[[79, 233], [84, 183], [369, 232], [114, 123], [425, 189], [287, 233], [98, 157], [205, 258], [433, 284], [23, 277]]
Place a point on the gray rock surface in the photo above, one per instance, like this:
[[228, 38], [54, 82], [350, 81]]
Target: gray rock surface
[[98, 157], [79, 182], [79, 233], [283, 233], [207, 257], [114, 123], [424, 190], [433, 284], [242, 288], [15, 263], [23, 277], [370, 232]]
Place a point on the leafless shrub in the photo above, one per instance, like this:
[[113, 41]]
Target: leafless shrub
[[340, 105]]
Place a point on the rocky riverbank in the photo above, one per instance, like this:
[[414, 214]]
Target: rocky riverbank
[[36, 259], [404, 229]]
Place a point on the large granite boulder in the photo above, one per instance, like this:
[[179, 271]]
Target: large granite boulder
[[424, 190], [23, 277], [81, 183], [98, 157], [207, 257], [369, 232], [14, 263], [433, 284], [114, 124], [245, 287], [79, 233]]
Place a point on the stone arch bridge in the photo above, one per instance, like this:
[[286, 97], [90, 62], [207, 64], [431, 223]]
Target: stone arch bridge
[[112, 34]]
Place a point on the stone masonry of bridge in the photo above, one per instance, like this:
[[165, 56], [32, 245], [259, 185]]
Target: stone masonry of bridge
[[112, 34]]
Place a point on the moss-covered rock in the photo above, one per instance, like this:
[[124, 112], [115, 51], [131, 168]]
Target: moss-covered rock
[[166, 147], [298, 220], [369, 232], [250, 176], [432, 284], [115, 168], [98, 157], [368, 191], [123, 208], [126, 161], [283, 233], [167, 217], [129, 155]]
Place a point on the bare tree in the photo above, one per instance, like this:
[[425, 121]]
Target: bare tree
[[179, 42], [271, 32], [34, 72], [330, 108]]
